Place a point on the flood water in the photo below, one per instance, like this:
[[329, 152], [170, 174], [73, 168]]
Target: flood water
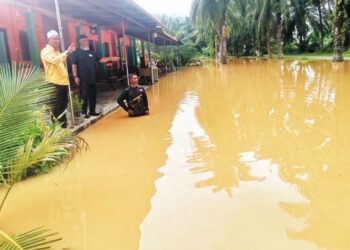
[[254, 155]]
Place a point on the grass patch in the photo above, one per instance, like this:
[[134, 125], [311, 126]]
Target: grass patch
[[329, 55]]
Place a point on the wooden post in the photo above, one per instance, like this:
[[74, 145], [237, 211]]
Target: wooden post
[[77, 32], [165, 59], [120, 48], [178, 56], [171, 54], [143, 51], [149, 46], [135, 52], [132, 46], [150, 55], [126, 55], [60, 29]]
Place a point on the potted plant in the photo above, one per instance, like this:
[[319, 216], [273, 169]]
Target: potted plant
[[77, 108]]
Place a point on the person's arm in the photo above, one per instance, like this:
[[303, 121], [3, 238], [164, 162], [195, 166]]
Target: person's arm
[[108, 59], [75, 74], [51, 57], [146, 101], [74, 60], [121, 100]]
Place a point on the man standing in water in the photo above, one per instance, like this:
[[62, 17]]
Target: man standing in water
[[56, 73], [134, 99], [84, 63]]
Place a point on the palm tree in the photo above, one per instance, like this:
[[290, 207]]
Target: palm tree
[[300, 15], [213, 13], [23, 95], [279, 9], [240, 19], [338, 23], [223, 33], [317, 4], [265, 21]]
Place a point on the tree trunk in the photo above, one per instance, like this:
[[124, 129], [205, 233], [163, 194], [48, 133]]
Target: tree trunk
[[235, 49], [212, 48], [223, 35], [301, 43], [258, 42], [268, 42], [223, 45], [338, 31], [279, 34], [321, 21]]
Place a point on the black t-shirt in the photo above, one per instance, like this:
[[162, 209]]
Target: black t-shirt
[[86, 61], [136, 100]]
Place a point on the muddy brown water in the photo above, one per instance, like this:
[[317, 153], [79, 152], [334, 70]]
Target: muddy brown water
[[252, 155]]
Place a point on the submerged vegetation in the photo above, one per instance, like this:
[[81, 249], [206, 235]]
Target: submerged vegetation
[[262, 27]]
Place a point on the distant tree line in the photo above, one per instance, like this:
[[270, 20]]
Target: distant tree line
[[263, 27]]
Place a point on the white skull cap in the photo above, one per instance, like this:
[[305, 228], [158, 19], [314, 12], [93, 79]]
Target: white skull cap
[[52, 33]]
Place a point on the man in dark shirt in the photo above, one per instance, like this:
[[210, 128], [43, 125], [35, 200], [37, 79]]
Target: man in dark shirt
[[134, 99], [84, 63]]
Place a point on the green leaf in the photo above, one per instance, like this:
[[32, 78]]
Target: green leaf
[[23, 92], [35, 239]]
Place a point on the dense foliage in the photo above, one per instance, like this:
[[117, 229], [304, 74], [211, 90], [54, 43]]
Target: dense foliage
[[262, 27], [29, 142]]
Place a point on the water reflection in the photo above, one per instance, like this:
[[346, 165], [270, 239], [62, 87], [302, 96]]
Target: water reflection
[[224, 134], [186, 217], [308, 142], [319, 160], [294, 114], [252, 155]]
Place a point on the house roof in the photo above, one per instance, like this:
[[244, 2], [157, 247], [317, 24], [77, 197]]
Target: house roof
[[110, 14]]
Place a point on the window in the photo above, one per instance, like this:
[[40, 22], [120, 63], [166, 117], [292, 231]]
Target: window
[[106, 48], [91, 45], [4, 55], [114, 46], [23, 39]]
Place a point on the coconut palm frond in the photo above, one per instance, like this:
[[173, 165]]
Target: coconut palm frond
[[205, 11], [194, 10], [56, 143], [23, 91], [36, 239]]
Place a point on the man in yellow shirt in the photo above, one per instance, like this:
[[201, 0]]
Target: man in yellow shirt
[[56, 73]]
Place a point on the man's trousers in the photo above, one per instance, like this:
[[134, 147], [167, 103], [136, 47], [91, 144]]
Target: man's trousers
[[60, 104], [88, 95]]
